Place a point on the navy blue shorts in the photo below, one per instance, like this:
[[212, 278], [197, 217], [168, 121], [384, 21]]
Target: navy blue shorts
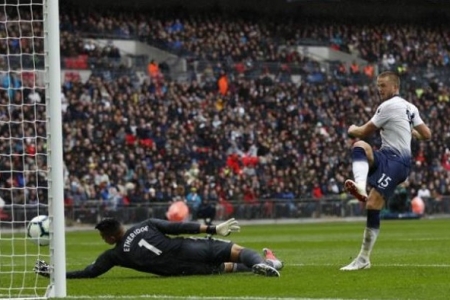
[[388, 171]]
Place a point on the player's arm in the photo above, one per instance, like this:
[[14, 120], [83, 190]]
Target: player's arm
[[102, 265], [421, 132], [362, 131], [175, 228]]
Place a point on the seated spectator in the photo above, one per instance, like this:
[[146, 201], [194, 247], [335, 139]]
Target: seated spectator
[[424, 192], [193, 200]]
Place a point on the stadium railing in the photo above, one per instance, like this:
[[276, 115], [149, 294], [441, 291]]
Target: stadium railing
[[92, 211]]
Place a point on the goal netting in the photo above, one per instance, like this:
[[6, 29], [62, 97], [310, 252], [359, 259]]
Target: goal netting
[[26, 178]]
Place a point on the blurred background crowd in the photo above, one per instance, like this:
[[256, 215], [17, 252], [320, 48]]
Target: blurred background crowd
[[252, 119]]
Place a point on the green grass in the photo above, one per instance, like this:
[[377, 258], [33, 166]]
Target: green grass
[[410, 261]]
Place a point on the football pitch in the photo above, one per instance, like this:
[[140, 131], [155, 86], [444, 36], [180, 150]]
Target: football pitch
[[411, 260]]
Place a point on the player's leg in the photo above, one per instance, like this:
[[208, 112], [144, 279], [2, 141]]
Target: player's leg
[[374, 204], [362, 160], [252, 259], [231, 267], [389, 170], [269, 257]]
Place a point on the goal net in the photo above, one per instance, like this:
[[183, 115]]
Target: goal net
[[27, 184]]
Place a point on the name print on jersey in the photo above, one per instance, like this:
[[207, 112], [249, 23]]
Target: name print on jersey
[[130, 238]]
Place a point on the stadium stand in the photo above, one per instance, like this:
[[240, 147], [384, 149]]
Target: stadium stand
[[239, 130]]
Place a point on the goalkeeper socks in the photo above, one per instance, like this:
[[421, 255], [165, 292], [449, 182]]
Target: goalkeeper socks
[[360, 165], [250, 257], [237, 267]]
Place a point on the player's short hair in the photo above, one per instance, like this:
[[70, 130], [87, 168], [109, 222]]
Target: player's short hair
[[108, 226], [393, 77]]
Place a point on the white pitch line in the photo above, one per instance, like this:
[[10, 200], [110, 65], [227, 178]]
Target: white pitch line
[[7, 296], [197, 297], [296, 265], [378, 265]]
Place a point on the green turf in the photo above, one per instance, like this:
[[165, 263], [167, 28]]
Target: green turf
[[411, 261]]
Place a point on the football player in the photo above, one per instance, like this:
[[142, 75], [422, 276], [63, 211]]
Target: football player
[[398, 121], [153, 247]]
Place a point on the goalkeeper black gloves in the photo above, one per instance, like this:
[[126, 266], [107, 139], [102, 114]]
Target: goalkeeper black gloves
[[42, 268]]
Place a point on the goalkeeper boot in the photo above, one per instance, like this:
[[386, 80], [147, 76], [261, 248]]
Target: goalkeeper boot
[[357, 190], [271, 259], [359, 263], [265, 270]]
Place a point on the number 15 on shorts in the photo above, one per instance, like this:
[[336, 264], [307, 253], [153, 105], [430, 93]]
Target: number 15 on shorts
[[384, 181]]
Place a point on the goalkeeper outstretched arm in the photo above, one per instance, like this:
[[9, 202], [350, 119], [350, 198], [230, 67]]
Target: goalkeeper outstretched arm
[[90, 271], [97, 268], [100, 266], [223, 229]]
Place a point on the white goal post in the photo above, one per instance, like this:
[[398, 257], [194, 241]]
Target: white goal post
[[31, 153]]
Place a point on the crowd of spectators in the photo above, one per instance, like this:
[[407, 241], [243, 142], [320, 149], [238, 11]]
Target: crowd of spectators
[[252, 37], [225, 138], [22, 44]]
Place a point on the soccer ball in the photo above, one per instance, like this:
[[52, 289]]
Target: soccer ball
[[38, 230]]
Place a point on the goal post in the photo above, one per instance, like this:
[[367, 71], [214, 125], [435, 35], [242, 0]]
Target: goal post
[[57, 287], [31, 148]]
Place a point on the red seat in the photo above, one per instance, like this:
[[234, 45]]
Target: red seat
[[68, 63], [82, 62], [148, 143], [130, 139]]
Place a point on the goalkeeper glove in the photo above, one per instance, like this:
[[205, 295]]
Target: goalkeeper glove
[[228, 227], [42, 268]]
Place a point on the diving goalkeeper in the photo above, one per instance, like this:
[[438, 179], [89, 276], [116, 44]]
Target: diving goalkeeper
[[147, 247]]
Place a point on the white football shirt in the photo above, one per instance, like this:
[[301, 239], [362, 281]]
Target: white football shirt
[[396, 117]]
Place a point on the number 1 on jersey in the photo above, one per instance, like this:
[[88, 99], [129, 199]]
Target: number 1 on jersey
[[144, 243]]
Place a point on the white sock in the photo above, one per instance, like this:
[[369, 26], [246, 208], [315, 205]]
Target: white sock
[[360, 171], [369, 239]]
